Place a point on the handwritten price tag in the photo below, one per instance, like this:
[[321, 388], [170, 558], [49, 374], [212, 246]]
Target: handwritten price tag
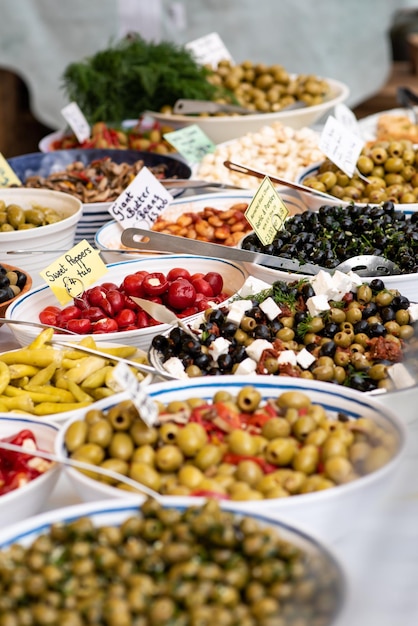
[[191, 142], [266, 212], [346, 117], [76, 120], [7, 175], [141, 202], [209, 50], [340, 145], [125, 380], [72, 272]]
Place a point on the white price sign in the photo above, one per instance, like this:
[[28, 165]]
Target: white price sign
[[346, 117], [139, 205], [76, 120], [340, 145], [125, 380], [209, 50]]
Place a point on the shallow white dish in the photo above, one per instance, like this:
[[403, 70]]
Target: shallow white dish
[[368, 125], [327, 513], [31, 304], [108, 236], [223, 128], [110, 513], [28, 500], [60, 236]]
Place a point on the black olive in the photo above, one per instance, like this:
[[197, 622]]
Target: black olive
[[228, 330], [160, 343], [192, 346], [307, 291], [400, 302], [387, 314], [275, 326], [238, 354], [377, 330], [21, 279], [216, 316], [328, 348], [330, 330], [209, 339], [225, 362], [202, 360], [369, 310], [6, 294], [361, 383], [376, 285], [300, 316], [4, 281], [362, 326], [261, 331], [176, 336]]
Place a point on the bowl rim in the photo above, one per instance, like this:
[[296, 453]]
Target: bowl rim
[[262, 381]]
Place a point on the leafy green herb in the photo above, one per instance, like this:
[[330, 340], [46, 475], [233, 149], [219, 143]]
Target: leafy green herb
[[133, 76]]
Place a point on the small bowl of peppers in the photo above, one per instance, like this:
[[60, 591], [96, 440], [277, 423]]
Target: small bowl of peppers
[[26, 481], [184, 284]]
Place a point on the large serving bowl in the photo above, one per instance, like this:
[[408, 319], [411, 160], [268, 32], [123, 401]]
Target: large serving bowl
[[31, 304], [57, 236], [29, 499], [329, 512], [95, 214], [318, 568], [223, 128]]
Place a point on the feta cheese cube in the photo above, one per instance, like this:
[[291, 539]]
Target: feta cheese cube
[[174, 366], [270, 308], [341, 284], [257, 347], [218, 347], [237, 311], [252, 286], [305, 358], [355, 278], [400, 376], [321, 283], [317, 304], [287, 356], [246, 367], [413, 312]]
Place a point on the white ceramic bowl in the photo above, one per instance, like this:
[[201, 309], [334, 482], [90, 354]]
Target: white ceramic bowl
[[26, 501], [59, 236], [113, 514], [327, 513], [223, 128], [31, 304]]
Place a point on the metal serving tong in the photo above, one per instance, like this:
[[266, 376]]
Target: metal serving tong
[[150, 241], [193, 107]]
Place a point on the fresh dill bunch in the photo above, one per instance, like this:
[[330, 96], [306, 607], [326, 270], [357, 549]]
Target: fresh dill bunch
[[133, 76]]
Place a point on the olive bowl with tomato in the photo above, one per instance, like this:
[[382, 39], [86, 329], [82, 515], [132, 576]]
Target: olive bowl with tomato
[[185, 284]]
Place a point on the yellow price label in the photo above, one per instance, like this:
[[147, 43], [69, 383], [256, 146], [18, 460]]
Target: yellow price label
[[75, 270], [7, 175], [266, 212]]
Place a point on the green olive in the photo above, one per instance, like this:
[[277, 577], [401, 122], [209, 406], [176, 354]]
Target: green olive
[[190, 476], [169, 458], [144, 454], [333, 446], [15, 216], [191, 439], [248, 399], [75, 435], [338, 469], [275, 427], [249, 472], [142, 434], [241, 442], [121, 446], [146, 475], [306, 459], [303, 426], [280, 451], [248, 323], [168, 432], [92, 452], [114, 465], [210, 454], [293, 399], [100, 432]]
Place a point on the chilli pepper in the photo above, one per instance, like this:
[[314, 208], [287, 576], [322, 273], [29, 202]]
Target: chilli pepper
[[234, 459], [15, 467], [155, 284]]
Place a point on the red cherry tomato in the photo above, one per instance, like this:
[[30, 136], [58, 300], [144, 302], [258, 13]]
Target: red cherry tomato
[[202, 286], [196, 276], [81, 326], [125, 317], [216, 281], [105, 325], [132, 285], [181, 294], [177, 272], [155, 284]]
